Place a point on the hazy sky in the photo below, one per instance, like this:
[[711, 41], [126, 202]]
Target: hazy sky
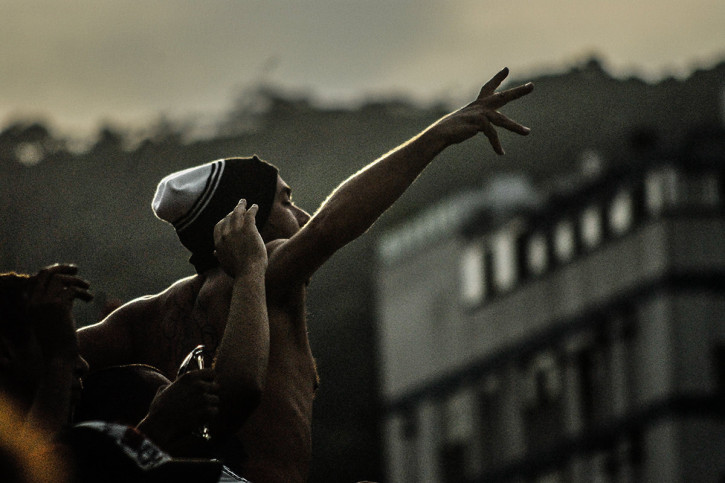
[[78, 63]]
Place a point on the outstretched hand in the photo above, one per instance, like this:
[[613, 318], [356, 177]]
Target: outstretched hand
[[58, 284], [50, 301], [482, 114], [237, 241]]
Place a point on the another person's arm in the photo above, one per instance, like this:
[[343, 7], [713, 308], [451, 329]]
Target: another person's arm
[[54, 289], [355, 205], [243, 353], [110, 342], [179, 410], [226, 393]]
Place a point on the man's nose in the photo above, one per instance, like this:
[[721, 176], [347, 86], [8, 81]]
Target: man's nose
[[302, 217]]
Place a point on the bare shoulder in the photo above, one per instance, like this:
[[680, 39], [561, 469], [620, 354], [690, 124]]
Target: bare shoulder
[[185, 289], [120, 337], [144, 308], [274, 245]]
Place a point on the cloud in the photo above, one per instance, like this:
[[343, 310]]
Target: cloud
[[81, 61]]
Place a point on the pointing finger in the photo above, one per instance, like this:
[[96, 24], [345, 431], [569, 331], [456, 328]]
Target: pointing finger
[[237, 216], [498, 119], [492, 136], [72, 280], [65, 268], [45, 274], [491, 86], [82, 294], [504, 97], [252, 211]]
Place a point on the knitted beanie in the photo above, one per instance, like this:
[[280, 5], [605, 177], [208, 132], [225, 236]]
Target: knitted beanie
[[195, 199]]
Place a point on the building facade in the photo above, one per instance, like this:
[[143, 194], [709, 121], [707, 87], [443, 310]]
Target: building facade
[[583, 340]]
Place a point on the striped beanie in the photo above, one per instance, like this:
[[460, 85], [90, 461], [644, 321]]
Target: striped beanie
[[195, 199]]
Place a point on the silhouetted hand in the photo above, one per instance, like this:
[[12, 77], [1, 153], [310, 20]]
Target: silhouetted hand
[[482, 114], [237, 240], [180, 409], [50, 302]]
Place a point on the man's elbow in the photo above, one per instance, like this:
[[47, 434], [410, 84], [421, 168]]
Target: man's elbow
[[332, 232]]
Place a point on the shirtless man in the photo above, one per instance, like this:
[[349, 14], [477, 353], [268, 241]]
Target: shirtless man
[[277, 434], [160, 330]]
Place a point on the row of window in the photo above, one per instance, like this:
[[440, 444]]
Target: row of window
[[582, 389], [621, 462], [551, 394], [498, 261]]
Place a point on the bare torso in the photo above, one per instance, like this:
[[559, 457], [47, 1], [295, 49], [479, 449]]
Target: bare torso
[[174, 323], [167, 326], [277, 435]]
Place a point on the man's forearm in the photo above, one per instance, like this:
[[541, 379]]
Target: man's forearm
[[361, 199], [243, 353]]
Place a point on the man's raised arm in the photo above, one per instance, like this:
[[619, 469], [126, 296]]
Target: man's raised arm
[[243, 353], [355, 205]]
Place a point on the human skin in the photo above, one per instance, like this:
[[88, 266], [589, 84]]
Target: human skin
[[50, 301], [162, 328], [40, 371]]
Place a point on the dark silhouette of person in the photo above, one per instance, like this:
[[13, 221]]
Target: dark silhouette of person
[[160, 329]]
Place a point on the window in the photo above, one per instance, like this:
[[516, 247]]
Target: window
[[543, 410], [456, 453], [591, 227], [544, 379], [473, 274], [621, 212], [660, 190], [537, 254], [594, 386], [564, 241], [504, 261], [668, 188], [459, 416], [492, 425]]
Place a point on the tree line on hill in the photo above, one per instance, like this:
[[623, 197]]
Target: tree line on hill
[[92, 206]]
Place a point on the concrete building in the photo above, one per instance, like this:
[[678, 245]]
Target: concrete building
[[576, 339]]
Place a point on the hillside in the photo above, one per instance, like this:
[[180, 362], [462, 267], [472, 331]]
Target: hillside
[[93, 208]]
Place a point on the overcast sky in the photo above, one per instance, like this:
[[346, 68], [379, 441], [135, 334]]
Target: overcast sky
[[78, 63]]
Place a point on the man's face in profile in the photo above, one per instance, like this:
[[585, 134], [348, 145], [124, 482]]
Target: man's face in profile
[[285, 219]]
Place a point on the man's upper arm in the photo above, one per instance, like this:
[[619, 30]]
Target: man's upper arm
[[110, 342], [293, 261]]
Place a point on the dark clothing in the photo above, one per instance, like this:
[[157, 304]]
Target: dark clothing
[[117, 453]]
